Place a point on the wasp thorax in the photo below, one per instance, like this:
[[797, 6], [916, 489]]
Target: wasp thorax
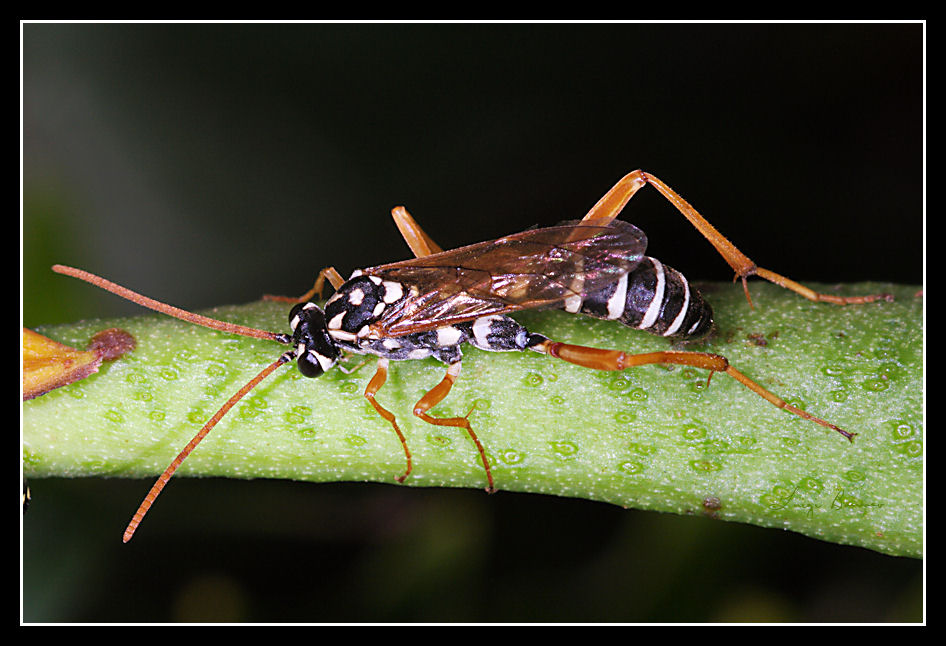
[[316, 352], [361, 301]]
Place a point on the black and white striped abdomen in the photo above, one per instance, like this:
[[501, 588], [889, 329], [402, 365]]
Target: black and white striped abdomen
[[653, 297]]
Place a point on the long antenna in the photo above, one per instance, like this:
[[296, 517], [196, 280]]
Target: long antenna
[[164, 308], [197, 319], [164, 477]]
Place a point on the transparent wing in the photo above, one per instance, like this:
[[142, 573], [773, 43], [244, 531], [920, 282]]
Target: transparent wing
[[538, 268]]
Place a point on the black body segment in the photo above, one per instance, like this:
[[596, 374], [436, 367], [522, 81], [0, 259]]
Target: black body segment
[[654, 298], [660, 300]]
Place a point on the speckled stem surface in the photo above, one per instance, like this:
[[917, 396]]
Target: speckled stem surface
[[649, 438]]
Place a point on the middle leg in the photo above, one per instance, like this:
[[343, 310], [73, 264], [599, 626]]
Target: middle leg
[[437, 395]]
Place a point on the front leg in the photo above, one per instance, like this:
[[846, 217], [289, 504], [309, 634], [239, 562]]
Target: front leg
[[380, 376]]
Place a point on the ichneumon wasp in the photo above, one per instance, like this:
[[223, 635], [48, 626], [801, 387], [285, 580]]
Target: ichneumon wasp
[[432, 304]]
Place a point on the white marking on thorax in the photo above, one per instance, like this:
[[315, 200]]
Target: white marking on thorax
[[393, 291], [336, 322], [448, 336], [343, 335], [355, 296]]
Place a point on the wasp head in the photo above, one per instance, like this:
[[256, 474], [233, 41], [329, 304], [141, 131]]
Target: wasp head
[[316, 352]]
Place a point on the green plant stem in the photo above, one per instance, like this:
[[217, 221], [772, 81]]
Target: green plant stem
[[649, 438]]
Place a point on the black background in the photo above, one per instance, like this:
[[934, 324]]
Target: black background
[[206, 164]]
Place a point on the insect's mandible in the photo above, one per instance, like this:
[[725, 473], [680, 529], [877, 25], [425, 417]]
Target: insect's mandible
[[431, 305]]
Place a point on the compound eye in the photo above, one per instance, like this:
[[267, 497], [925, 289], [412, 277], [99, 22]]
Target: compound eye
[[309, 365]]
